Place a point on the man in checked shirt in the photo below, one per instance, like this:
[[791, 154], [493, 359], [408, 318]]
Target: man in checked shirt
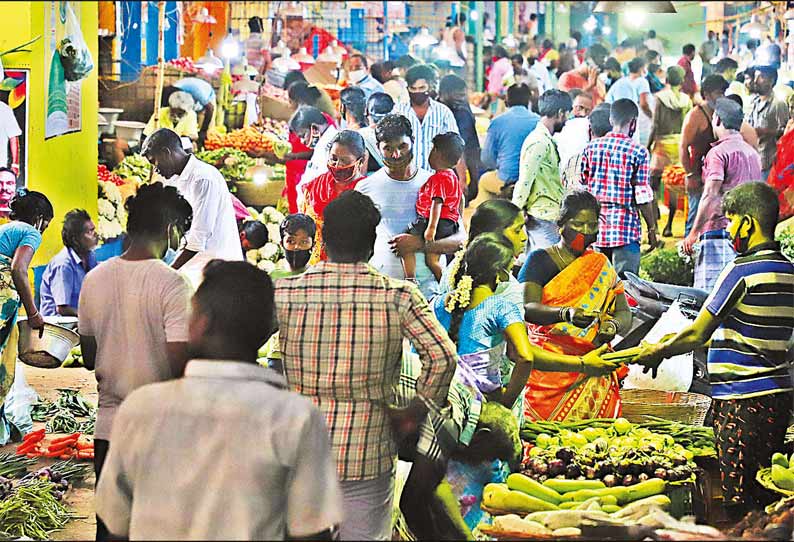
[[342, 327], [616, 170]]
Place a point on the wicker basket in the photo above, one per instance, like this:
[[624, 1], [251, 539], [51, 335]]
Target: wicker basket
[[640, 405]]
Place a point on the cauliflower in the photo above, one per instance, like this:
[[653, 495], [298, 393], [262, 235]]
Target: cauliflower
[[273, 231], [252, 256], [267, 266], [111, 191], [106, 209], [270, 215], [268, 251]]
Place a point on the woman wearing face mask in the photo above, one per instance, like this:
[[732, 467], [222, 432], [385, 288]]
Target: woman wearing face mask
[[574, 304], [316, 133], [31, 213], [345, 169], [297, 240]]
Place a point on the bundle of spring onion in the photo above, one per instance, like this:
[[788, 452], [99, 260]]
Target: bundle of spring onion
[[32, 510]]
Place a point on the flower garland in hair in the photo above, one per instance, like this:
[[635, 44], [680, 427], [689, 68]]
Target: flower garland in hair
[[455, 265], [460, 293]]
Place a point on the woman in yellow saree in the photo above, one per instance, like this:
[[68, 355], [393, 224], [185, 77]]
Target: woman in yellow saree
[[574, 303]]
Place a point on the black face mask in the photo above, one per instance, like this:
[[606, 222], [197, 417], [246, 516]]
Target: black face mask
[[419, 98], [578, 241], [297, 259]]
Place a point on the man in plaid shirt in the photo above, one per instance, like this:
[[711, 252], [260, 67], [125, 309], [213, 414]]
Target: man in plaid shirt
[[615, 169], [342, 327]]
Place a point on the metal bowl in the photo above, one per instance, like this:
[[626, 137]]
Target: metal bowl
[[46, 350]]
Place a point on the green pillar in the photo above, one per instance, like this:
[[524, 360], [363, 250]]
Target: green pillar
[[498, 23], [511, 25], [479, 69]]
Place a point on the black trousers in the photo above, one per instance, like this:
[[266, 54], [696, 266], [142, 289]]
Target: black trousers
[[100, 453]]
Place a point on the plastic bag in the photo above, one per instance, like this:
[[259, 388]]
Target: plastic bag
[[74, 53], [675, 374], [19, 402]]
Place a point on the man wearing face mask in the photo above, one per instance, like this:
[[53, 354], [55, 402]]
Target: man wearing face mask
[[314, 130], [538, 191], [428, 117], [345, 170], [297, 240], [748, 319], [358, 75], [213, 233], [730, 162], [616, 170], [379, 105]]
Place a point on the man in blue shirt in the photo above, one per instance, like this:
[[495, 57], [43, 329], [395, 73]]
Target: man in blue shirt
[[749, 320], [358, 75], [506, 135], [63, 276]]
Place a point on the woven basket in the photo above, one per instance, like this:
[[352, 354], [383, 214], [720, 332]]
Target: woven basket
[[678, 406]]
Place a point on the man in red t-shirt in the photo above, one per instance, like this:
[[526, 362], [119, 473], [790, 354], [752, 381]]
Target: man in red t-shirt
[[690, 87]]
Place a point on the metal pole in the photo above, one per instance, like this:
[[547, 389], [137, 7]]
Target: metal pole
[[479, 69], [158, 95], [385, 30]]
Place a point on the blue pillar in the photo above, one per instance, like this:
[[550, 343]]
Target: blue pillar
[[385, 30], [171, 46]]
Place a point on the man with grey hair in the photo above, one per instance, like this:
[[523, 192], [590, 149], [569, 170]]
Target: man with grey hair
[[730, 163]]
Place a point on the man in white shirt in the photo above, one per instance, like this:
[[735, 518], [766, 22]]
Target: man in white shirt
[[394, 190], [427, 116], [316, 132], [227, 452], [133, 311], [9, 138], [654, 44], [213, 233]]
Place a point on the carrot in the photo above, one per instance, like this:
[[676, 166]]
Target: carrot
[[85, 445], [27, 446], [34, 435], [68, 456], [61, 446], [74, 436], [56, 453], [32, 455], [85, 454]]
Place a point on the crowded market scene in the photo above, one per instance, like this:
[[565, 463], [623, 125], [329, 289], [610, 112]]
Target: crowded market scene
[[380, 270]]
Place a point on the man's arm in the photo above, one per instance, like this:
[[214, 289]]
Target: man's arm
[[688, 132], [66, 310], [643, 195], [176, 309], [709, 206], [431, 341], [644, 105], [88, 348], [407, 244], [203, 221], [14, 143]]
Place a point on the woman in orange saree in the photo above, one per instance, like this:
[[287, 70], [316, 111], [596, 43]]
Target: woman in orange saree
[[575, 303]]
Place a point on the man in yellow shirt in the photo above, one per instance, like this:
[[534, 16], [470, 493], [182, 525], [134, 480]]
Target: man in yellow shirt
[[179, 116]]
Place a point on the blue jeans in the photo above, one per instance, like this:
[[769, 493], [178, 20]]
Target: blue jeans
[[693, 198], [624, 258]]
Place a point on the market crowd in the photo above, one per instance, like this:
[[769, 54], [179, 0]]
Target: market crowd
[[396, 328]]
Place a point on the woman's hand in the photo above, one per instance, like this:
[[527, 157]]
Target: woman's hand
[[607, 331], [593, 365], [581, 319], [36, 321]]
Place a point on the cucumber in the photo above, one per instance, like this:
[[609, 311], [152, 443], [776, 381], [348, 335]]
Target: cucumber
[[623, 495], [533, 488], [565, 486], [569, 505], [500, 497]]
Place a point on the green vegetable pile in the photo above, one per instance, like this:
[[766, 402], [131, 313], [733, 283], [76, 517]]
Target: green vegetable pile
[[696, 438], [134, 168], [32, 510], [667, 266], [62, 415], [13, 466], [617, 454], [786, 240], [232, 163]]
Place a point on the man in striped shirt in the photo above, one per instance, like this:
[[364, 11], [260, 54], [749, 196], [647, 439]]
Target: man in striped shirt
[[342, 326], [749, 318]]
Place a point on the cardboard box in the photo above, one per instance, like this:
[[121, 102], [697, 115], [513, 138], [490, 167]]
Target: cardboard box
[[274, 109]]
